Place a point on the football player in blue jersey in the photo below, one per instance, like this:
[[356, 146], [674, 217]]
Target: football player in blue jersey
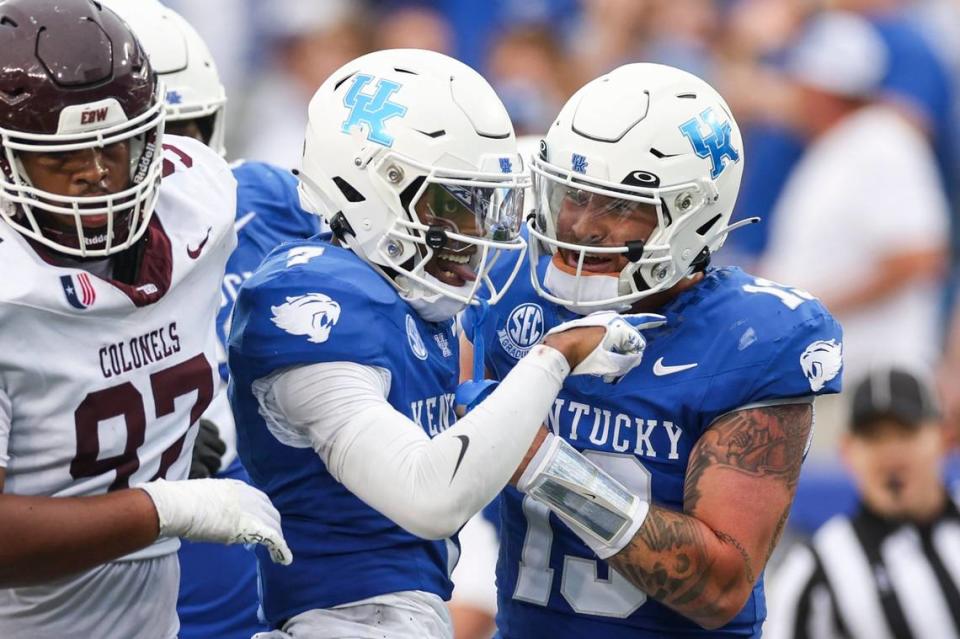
[[344, 359], [218, 588], [651, 507]]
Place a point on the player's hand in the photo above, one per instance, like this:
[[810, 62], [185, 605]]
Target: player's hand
[[208, 451], [606, 344], [223, 511]]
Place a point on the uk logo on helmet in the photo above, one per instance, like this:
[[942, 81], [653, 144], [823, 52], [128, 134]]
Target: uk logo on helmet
[[578, 163], [79, 290], [372, 110], [715, 145]]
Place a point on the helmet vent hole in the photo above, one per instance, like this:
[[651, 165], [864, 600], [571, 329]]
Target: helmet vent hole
[[342, 80], [432, 134], [348, 191], [8, 22], [657, 153], [687, 96], [399, 70], [708, 225], [14, 93]]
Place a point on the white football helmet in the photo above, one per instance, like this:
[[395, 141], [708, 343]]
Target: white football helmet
[[647, 134], [182, 62], [411, 157]]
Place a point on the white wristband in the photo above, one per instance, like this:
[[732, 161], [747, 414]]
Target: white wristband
[[602, 513]]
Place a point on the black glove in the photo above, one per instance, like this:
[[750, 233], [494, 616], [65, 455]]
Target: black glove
[[207, 451]]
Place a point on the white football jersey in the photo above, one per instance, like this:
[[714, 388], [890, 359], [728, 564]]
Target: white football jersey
[[102, 385], [106, 381]]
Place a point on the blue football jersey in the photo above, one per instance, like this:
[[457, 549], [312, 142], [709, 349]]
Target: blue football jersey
[[731, 341], [218, 584], [268, 214], [313, 302]]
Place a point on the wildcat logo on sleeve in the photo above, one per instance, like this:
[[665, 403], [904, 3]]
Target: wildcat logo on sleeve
[[313, 315], [821, 362], [79, 290]]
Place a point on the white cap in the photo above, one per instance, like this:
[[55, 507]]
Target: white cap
[[839, 53]]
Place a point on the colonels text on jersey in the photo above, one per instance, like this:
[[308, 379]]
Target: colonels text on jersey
[[106, 379], [731, 341]]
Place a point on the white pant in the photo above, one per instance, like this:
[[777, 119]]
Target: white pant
[[401, 615], [118, 600]]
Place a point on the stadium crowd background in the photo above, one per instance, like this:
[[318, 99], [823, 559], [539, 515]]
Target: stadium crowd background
[[886, 240]]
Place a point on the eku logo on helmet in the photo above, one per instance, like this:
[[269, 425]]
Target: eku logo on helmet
[[79, 290], [523, 331], [372, 110], [715, 145]]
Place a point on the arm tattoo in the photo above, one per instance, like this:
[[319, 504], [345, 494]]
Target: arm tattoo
[[673, 556], [761, 442]]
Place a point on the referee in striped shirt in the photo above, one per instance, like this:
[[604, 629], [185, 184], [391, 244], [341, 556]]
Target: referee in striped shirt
[[892, 570]]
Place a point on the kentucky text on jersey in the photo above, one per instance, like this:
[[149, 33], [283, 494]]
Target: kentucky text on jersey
[[621, 432], [434, 414], [137, 352]]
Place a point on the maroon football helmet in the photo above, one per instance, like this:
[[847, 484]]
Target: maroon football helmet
[[72, 77]]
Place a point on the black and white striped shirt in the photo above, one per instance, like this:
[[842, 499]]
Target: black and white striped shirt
[[869, 578]]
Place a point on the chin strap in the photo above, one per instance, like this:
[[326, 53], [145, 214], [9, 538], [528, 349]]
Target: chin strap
[[474, 391]]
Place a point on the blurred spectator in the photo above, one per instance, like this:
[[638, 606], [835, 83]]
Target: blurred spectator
[[610, 33], [862, 220], [681, 33], [310, 42], [414, 25], [530, 73], [892, 569], [755, 35]]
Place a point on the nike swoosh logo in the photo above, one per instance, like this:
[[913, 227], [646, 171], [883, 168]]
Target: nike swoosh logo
[[659, 369], [195, 253], [464, 444], [243, 221]]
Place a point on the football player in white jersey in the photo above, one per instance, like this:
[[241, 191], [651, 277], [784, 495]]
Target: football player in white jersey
[[107, 340], [218, 584]]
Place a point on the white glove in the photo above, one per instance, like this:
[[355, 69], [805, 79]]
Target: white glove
[[224, 511], [621, 349]]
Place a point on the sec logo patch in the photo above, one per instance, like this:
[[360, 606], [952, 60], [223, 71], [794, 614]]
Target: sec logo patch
[[523, 331]]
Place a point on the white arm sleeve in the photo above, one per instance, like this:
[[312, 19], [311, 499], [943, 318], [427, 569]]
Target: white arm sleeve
[[6, 416], [430, 487]]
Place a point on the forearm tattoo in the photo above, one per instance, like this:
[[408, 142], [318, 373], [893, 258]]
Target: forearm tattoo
[[673, 556]]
